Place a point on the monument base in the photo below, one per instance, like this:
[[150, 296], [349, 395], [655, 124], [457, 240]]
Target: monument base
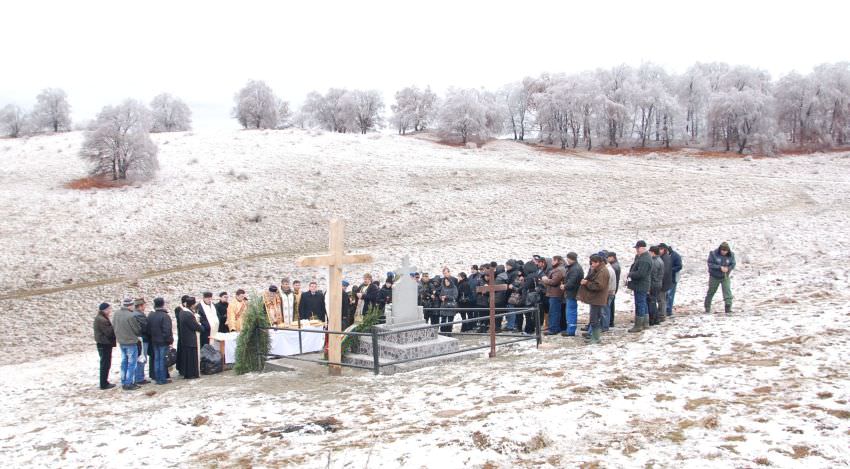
[[414, 345]]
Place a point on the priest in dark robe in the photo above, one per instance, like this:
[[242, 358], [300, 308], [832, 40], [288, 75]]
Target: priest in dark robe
[[312, 304], [188, 340], [177, 310]]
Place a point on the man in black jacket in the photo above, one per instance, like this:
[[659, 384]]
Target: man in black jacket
[[666, 280], [312, 304], [639, 281], [104, 337], [221, 312], [159, 326], [572, 283]]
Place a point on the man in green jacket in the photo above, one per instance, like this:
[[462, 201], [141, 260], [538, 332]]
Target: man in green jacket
[[721, 263]]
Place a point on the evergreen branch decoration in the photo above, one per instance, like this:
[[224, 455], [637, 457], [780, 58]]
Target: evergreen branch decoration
[[371, 318], [252, 347]]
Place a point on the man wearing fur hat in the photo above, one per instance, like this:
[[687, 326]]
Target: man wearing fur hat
[[721, 263]]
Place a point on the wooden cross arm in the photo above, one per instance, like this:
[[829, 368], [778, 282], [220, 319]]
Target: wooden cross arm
[[489, 288], [319, 261]]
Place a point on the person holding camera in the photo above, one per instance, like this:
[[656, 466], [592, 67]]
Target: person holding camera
[[721, 263]]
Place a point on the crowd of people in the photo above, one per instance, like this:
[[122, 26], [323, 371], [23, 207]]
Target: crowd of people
[[552, 287]]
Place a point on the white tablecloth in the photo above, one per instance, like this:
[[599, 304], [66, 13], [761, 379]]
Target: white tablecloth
[[281, 343]]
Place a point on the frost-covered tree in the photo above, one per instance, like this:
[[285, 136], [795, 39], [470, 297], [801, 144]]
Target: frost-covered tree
[[284, 115], [256, 106], [741, 111], [335, 111], [798, 109], [614, 105], [833, 81], [12, 121], [368, 106], [518, 104], [52, 111], [468, 113], [119, 146], [414, 108], [170, 114]]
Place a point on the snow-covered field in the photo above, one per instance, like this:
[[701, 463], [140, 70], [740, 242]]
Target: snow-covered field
[[768, 385]]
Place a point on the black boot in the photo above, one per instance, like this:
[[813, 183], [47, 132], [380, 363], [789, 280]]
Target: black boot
[[728, 309]]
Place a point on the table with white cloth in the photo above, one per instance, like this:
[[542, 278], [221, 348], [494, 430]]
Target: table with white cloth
[[281, 343]]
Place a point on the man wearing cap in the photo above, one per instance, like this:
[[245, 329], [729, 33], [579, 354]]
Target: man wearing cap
[[593, 290], [145, 350], [553, 281], [104, 337], [638, 280], [721, 263], [162, 336], [189, 336], [572, 281], [127, 330]]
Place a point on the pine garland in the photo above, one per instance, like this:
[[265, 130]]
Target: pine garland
[[248, 359], [370, 319]]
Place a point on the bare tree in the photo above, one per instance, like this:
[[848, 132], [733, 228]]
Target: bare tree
[[12, 121], [256, 106], [52, 111], [120, 146], [170, 114]]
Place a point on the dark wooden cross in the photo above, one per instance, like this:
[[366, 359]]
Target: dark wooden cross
[[492, 288]]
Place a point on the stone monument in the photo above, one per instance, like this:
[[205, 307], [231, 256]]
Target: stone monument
[[406, 340]]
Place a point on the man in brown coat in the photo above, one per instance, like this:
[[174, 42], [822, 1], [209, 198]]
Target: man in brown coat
[[553, 282], [594, 291]]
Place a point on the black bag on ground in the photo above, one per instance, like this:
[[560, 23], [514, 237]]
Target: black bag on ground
[[171, 357], [210, 360]]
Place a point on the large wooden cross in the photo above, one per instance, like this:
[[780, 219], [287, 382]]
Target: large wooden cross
[[334, 260], [492, 288]]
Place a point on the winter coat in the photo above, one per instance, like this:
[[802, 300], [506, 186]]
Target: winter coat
[[677, 264], [717, 260], [186, 337], [126, 326], [143, 323], [616, 266], [312, 305], [385, 295], [640, 273], [221, 313], [656, 274], [667, 279], [502, 295], [103, 332], [159, 325], [595, 292], [450, 301], [612, 279], [465, 295], [553, 282], [572, 279]]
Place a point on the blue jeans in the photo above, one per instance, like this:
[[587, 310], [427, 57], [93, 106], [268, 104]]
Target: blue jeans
[[160, 357], [140, 368], [671, 295], [511, 322], [129, 359], [572, 316], [606, 314], [556, 308], [641, 306]]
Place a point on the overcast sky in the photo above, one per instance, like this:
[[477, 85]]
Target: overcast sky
[[103, 52]]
